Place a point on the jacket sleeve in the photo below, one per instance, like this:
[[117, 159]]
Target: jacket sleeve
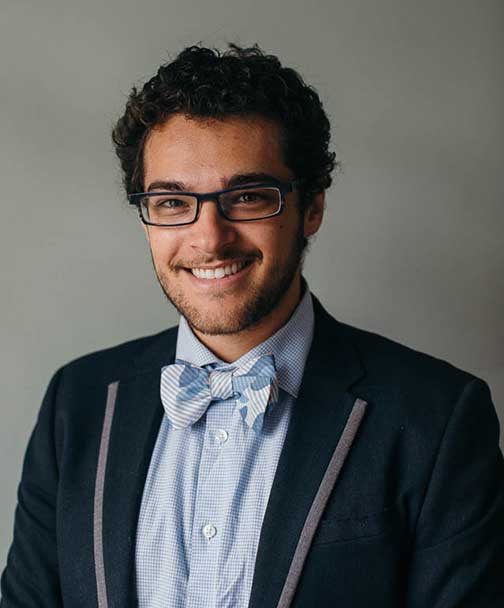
[[31, 576], [458, 555]]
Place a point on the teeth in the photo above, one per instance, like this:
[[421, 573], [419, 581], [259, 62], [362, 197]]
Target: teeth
[[218, 273]]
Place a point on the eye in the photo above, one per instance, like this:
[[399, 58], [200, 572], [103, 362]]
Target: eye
[[254, 202], [169, 203], [248, 197]]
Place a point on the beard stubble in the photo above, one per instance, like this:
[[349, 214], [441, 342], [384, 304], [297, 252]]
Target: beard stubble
[[259, 302]]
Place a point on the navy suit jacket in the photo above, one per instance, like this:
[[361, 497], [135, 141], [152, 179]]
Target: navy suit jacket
[[389, 490]]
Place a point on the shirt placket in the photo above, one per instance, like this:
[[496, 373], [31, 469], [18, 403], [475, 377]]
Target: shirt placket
[[207, 531]]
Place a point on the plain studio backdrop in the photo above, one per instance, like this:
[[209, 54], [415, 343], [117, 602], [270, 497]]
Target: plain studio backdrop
[[411, 245]]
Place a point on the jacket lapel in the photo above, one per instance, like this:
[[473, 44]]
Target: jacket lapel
[[134, 428], [319, 417]]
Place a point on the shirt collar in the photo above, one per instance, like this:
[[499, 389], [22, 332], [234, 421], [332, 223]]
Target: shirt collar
[[289, 345]]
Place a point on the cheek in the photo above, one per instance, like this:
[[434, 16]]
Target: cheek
[[163, 247], [284, 233], [275, 244]]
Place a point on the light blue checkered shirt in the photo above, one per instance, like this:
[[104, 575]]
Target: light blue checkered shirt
[[208, 484]]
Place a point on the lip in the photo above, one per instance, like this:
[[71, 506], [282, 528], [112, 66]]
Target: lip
[[227, 281]]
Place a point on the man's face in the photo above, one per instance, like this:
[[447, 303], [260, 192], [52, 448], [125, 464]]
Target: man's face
[[203, 156]]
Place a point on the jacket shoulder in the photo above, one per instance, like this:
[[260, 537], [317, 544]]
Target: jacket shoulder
[[392, 354], [386, 359], [123, 359], [390, 365], [412, 388]]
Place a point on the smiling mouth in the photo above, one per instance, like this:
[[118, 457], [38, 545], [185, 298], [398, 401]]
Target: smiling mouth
[[220, 272]]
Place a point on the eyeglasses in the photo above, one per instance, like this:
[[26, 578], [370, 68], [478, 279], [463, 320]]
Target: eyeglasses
[[239, 204]]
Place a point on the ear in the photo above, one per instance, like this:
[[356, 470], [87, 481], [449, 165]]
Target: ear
[[313, 214]]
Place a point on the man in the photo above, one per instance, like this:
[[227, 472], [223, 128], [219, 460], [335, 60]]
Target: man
[[261, 454]]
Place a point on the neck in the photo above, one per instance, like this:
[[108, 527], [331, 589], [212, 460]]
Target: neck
[[230, 347]]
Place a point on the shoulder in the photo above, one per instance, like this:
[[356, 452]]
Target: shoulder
[[386, 359], [417, 400], [419, 391], [121, 360], [398, 379]]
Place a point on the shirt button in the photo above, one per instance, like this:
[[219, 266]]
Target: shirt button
[[209, 531], [221, 435]]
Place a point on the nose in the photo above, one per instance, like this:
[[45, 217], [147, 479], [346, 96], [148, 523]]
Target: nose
[[212, 232]]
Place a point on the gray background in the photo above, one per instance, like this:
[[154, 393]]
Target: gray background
[[412, 243]]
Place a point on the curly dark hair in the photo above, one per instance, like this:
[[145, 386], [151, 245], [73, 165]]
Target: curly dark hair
[[205, 83]]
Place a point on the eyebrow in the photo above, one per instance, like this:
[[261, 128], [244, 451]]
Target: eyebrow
[[239, 179]]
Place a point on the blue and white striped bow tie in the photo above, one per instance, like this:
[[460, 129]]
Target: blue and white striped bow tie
[[187, 390]]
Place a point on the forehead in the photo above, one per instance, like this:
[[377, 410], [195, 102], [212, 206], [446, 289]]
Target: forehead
[[193, 149]]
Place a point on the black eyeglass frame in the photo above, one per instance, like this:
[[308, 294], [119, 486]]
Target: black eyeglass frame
[[282, 187]]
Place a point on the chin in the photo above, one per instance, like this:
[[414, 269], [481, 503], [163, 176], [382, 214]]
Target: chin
[[220, 323], [216, 328], [214, 317]]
